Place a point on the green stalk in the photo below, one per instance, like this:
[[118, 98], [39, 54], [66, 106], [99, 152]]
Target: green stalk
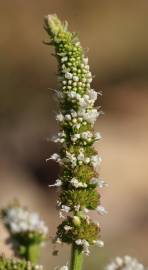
[[76, 258], [32, 253]]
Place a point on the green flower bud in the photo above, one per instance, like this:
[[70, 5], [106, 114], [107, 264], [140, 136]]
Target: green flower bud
[[76, 220]]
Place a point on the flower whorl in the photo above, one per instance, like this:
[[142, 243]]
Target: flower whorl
[[78, 158]]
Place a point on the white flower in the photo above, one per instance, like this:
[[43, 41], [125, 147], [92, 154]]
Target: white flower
[[87, 160], [60, 117], [58, 203], [55, 156], [61, 214], [94, 181], [91, 116], [84, 243], [85, 60], [60, 138], [99, 182], [67, 228], [96, 160], [75, 137], [71, 158], [119, 261], [76, 183], [89, 80], [98, 136], [101, 210], [64, 59], [92, 94], [21, 220], [68, 117], [85, 101], [125, 263], [65, 208], [72, 94], [58, 183], [102, 183], [68, 75], [86, 68], [99, 243], [86, 135], [78, 242], [15, 228], [58, 241]]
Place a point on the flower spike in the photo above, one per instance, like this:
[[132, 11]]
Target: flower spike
[[78, 158]]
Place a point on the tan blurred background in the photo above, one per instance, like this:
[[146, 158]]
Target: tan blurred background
[[116, 34]]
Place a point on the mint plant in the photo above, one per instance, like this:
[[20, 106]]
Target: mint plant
[[78, 180], [78, 159]]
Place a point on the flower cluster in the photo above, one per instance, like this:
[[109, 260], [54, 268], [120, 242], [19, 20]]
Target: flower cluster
[[125, 263], [19, 220], [13, 264], [71, 159], [27, 231], [78, 158]]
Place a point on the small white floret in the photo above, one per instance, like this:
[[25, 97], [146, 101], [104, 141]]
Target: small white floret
[[58, 183], [60, 117], [67, 228], [101, 210], [99, 243]]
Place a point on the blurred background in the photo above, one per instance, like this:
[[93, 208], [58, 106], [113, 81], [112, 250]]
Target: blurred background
[[116, 34]]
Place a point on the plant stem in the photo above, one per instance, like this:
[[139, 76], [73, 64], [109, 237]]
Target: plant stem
[[32, 253], [76, 258]]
